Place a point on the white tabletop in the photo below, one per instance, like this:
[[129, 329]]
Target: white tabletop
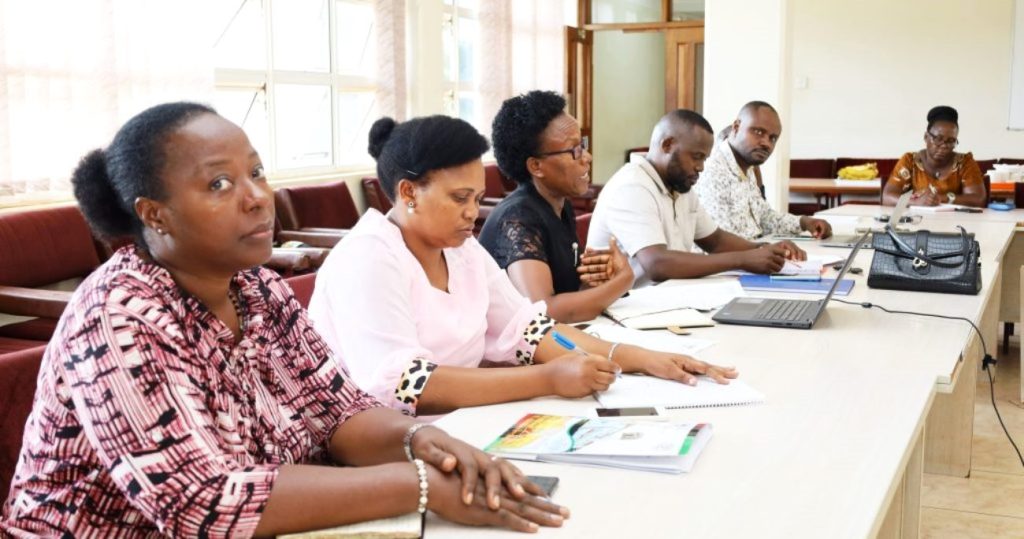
[[820, 458]]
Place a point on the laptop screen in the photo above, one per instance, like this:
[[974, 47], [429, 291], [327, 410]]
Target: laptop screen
[[848, 264]]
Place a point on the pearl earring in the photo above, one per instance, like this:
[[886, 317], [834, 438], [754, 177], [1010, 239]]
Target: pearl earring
[[160, 231], [411, 206]]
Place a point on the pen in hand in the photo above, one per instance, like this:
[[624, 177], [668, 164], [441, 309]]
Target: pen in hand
[[564, 342]]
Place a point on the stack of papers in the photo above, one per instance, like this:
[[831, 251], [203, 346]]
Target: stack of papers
[[637, 390], [673, 304], [660, 341], [668, 446], [408, 526]]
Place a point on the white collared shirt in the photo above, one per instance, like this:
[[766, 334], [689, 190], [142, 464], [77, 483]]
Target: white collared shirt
[[732, 198], [637, 208]]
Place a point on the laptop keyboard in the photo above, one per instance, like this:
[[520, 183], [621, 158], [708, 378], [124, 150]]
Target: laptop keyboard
[[786, 310]]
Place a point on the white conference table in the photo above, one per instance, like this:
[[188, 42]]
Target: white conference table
[[836, 451], [988, 227]]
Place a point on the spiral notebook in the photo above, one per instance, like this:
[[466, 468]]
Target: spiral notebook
[[637, 390]]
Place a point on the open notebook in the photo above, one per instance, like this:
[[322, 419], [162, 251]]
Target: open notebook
[[408, 526], [637, 390]]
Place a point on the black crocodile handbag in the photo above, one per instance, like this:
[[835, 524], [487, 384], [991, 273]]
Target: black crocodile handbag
[[925, 261]]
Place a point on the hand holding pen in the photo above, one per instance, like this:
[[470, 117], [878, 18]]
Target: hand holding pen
[[579, 374]]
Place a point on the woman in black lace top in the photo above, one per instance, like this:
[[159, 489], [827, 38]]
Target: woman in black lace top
[[532, 233]]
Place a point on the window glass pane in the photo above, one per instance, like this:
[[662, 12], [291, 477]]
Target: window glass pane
[[468, 32], [303, 119], [241, 34], [301, 35], [356, 51], [468, 107], [356, 113], [468, 4], [618, 11], [448, 49], [247, 107], [686, 10]]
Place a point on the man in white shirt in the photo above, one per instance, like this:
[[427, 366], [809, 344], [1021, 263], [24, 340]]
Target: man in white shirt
[[647, 205], [728, 189]]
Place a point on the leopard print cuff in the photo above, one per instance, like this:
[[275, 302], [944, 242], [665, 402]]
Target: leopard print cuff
[[532, 335], [412, 382]]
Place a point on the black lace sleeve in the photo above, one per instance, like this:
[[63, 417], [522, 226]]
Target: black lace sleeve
[[521, 241]]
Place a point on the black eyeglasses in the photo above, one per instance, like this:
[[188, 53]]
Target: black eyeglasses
[[939, 140], [576, 151]]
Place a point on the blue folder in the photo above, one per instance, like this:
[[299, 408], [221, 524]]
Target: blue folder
[[765, 283]]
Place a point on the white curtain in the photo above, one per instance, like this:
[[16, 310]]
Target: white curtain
[[72, 71], [522, 43]]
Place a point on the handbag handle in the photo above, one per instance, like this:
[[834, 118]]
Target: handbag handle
[[908, 252]]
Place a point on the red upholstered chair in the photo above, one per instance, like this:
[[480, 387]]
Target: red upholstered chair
[[302, 285], [311, 207], [986, 165], [1010, 161], [812, 168], [375, 196], [494, 186], [582, 229], [18, 373], [631, 151], [40, 248], [586, 202], [1018, 195]]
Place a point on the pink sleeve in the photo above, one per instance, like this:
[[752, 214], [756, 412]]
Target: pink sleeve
[[514, 325], [366, 316]]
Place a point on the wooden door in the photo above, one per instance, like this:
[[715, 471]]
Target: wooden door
[[684, 69], [579, 78]]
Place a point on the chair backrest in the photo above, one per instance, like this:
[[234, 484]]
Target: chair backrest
[[986, 165], [885, 165], [302, 285], [375, 196], [639, 149], [18, 373], [328, 205], [988, 188], [493, 186], [812, 168], [1010, 161], [1018, 195], [42, 247], [582, 229]]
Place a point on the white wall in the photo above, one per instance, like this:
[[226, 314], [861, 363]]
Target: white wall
[[746, 59], [874, 68], [629, 95]]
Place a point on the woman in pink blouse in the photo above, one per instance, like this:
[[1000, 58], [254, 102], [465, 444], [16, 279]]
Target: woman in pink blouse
[[412, 304], [186, 392]]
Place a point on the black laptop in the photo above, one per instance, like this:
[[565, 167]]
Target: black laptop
[[782, 313]]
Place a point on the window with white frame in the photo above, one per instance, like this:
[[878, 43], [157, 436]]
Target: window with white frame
[[300, 77], [460, 40]]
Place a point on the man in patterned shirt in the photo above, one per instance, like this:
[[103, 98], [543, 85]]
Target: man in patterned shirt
[[728, 189]]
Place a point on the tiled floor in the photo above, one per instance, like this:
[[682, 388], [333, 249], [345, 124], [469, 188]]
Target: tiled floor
[[990, 503]]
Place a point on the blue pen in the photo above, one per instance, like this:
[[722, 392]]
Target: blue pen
[[564, 342]]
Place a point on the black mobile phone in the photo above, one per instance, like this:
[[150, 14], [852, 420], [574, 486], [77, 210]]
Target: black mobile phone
[[624, 412], [968, 210], [547, 483]]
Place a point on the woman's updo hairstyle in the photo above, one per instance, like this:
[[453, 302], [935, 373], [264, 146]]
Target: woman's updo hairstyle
[[942, 113], [413, 149], [107, 182]]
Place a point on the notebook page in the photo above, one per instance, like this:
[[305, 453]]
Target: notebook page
[[635, 390], [652, 299], [660, 341]]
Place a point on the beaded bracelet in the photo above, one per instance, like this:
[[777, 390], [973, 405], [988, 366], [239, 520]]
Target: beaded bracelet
[[421, 473], [407, 439], [611, 351]]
